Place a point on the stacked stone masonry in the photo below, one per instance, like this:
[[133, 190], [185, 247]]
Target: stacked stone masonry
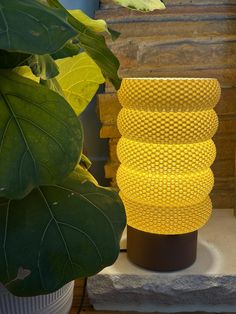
[[188, 39]]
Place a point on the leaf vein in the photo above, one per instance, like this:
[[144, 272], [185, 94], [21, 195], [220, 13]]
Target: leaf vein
[[44, 131], [20, 129], [4, 133], [94, 205], [39, 252], [5, 240], [85, 234], [58, 227], [21, 165], [44, 110], [7, 28]]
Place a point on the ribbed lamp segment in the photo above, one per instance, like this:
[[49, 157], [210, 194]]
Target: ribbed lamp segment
[[165, 190], [162, 158], [167, 220], [166, 94], [167, 127]]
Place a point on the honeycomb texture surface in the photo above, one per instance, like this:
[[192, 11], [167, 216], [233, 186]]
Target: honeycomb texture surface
[[163, 189], [166, 152], [169, 94], [167, 127], [167, 220], [162, 158]]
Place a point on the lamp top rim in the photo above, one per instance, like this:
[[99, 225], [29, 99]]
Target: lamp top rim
[[170, 78]]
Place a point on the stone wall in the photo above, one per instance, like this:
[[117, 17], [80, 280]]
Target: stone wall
[[191, 38]]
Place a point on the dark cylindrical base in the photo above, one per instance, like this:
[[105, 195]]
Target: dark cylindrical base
[[161, 252]]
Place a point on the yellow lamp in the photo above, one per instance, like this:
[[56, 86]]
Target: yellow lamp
[[165, 178]]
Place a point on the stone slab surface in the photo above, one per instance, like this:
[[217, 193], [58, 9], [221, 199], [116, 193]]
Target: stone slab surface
[[209, 285]]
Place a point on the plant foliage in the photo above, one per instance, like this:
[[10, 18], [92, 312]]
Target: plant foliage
[[45, 29], [142, 5], [61, 234], [56, 222], [41, 137]]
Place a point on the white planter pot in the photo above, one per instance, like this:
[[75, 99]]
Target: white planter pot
[[58, 302]]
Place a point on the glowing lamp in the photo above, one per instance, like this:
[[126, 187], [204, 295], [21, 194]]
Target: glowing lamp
[[165, 178]]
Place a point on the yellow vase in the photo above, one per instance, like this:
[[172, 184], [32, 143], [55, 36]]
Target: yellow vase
[[166, 153]]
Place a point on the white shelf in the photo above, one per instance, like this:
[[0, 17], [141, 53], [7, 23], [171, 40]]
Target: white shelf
[[208, 285]]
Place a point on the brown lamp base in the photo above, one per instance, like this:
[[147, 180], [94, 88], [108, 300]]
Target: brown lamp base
[[161, 252]]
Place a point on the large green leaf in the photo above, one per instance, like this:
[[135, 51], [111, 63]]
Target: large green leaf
[[142, 5], [32, 27], [10, 60], [79, 79], [59, 233], [40, 136], [95, 46]]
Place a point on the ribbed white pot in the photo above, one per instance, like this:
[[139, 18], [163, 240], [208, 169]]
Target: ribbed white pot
[[58, 302]]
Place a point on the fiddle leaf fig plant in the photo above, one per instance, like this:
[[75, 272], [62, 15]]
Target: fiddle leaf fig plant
[[56, 223], [58, 233]]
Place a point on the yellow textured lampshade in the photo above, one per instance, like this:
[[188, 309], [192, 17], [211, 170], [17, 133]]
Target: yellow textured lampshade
[[166, 152]]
